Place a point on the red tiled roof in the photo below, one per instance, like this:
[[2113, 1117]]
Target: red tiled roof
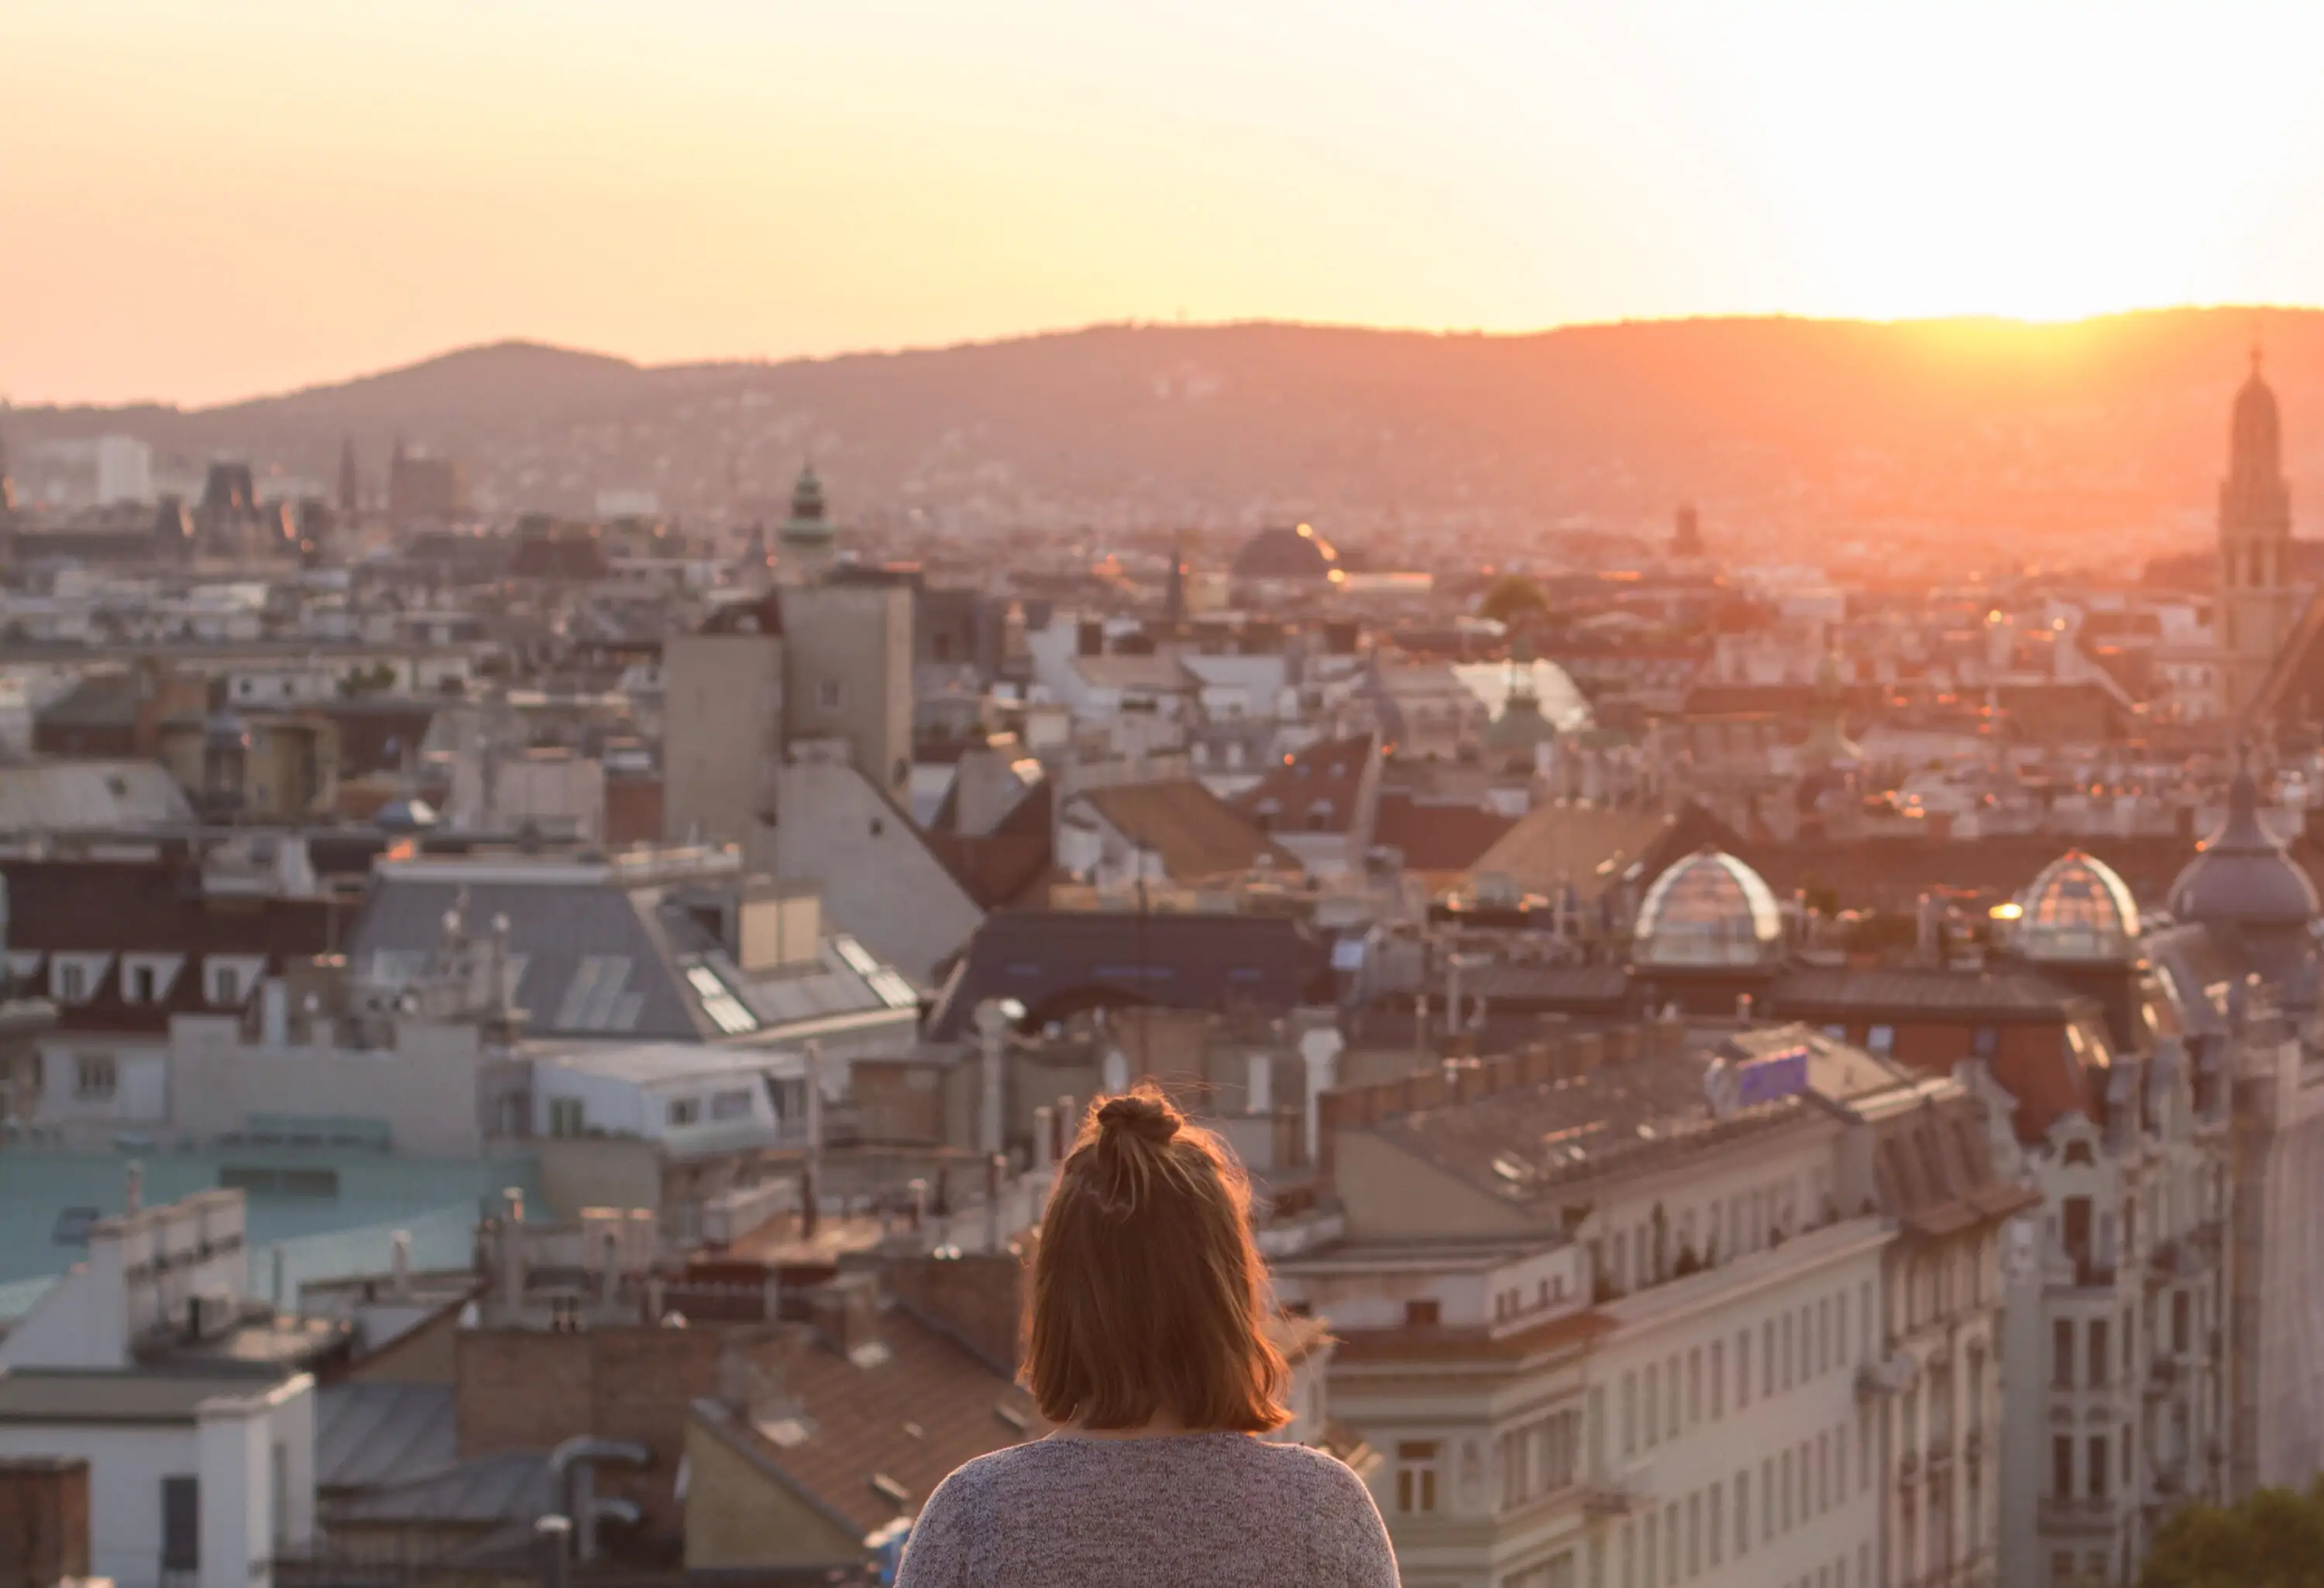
[[1437, 836], [912, 1416]]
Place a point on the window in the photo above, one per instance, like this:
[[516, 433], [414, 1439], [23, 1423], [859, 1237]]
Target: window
[[1670, 1542], [826, 694], [1422, 1315], [1786, 1478], [1653, 1404], [1416, 1477], [1767, 1358], [1718, 1522], [565, 1117], [93, 1076], [2062, 1355], [2101, 1476], [72, 980], [684, 1111], [225, 984], [1881, 1040], [2181, 1319], [731, 1105], [181, 1524], [1823, 1473], [1670, 1413], [2061, 1466], [1823, 1335], [1840, 1464], [1743, 1512], [2099, 1357], [140, 985], [1742, 1368], [1766, 1496], [1788, 1347], [1629, 1414], [1694, 1534], [1694, 1386], [1718, 1380]]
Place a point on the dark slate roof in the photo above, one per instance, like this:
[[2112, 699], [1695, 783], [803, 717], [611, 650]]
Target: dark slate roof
[[367, 1435], [1052, 960], [152, 907], [510, 1486], [597, 958]]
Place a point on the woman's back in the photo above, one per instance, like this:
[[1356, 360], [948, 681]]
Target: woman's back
[[1205, 1511]]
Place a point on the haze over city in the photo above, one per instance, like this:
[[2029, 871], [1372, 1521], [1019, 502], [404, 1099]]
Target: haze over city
[[274, 194], [900, 795]]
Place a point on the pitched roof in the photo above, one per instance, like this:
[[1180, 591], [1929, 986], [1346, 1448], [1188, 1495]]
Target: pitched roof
[[1591, 848], [1437, 836], [369, 1434], [1197, 835], [908, 1412], [598, 958], [159, 908], [63, 796], [1315, 789], [1048, 958]]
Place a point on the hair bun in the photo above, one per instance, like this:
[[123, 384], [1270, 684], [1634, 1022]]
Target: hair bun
[[1142, 1114]]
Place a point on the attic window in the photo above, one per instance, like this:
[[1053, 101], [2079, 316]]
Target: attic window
[[1422, 1315], [891, 1490]]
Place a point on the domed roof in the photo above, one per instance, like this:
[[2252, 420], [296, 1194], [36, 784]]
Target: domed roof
[[1297, 553], [1710, 909], [2077, 908], [2243, 876]]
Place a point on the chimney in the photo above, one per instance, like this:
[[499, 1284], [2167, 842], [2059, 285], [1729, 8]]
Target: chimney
[[609, 1270], [814, 1057], [810, 1213], [133, 1197], [1045, 1137], [275, 1013], [996, 1168], [399, 1265], [1261, 1095], [510, 1250], [43, 1521], [846, 1309]]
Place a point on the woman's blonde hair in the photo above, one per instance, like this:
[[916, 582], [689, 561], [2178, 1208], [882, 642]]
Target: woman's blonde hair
[[1149, 1297]]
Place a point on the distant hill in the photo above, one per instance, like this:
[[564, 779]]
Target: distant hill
[[2045, 439]]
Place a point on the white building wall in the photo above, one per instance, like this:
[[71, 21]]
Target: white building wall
[[1724, 1412]]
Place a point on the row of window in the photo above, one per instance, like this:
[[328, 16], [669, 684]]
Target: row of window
[[1540, 1458], [1659, 1248], [1795, 1347], [1686, 1538], [2097, 1359], [2095, 1472], [73, 979]]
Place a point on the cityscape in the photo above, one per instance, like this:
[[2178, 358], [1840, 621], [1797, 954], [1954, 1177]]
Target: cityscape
[[1744, 886]]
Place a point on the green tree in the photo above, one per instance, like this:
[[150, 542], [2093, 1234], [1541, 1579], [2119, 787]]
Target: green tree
[[2274, 1539], [1514, 599]]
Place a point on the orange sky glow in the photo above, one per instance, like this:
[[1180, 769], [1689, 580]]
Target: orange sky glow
[[201, 201]]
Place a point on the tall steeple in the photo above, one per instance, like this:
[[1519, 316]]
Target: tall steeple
[[2254, 613]]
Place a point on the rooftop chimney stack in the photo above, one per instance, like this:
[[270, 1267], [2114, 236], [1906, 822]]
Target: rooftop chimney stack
[[399, 1265], [132, 1199]]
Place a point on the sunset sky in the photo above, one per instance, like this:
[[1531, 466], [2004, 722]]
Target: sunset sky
[[213, 198]]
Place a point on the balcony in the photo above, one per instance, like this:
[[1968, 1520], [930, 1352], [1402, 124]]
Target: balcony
[[2078, 1515], [1891, 1374], [1625, 1493]]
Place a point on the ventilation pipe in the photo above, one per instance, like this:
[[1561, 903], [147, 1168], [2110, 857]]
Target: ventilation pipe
[[399, 1265], [573, 1479]]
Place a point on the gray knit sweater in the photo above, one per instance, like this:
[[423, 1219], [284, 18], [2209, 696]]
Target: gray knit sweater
[[1192, 1511]]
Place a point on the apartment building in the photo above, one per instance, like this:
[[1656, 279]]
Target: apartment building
[[1669, 1304]]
